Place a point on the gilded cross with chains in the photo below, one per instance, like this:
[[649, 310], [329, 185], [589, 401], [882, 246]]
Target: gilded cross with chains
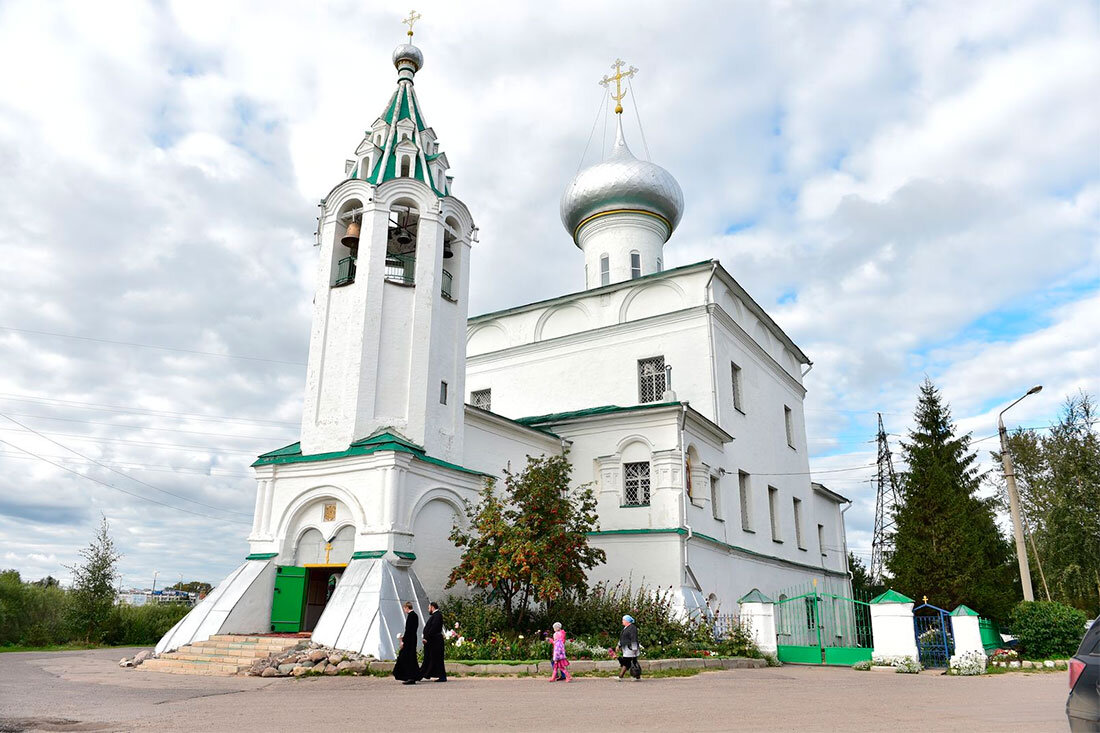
[[413, 17], [618, 77]]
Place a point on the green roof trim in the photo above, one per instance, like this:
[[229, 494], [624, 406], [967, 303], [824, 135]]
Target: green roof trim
[[724, 545], [368, 554], [964, 610], [374, 444], [261, 556], [754, 596], [405, 555], [556, 417], [891, 596]]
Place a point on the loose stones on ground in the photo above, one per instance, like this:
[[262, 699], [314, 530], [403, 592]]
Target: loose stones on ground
[[312, 660]]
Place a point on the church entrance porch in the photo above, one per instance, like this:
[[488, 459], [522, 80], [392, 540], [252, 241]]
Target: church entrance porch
[[304, 589]]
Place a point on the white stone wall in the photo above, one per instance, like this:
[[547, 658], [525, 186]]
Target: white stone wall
[[617, 236]]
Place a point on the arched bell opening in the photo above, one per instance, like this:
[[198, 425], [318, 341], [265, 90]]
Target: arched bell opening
[[401, 242], [345, 250], [452, 258]]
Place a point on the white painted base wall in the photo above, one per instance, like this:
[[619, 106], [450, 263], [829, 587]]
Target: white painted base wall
[[364, 614], [892, 629], [240, 604]]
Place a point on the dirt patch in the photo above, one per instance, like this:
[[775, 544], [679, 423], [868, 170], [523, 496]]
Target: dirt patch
[[18, 725]]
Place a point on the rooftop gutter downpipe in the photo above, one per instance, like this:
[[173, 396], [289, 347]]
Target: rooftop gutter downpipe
[[844, 540], [684, 493]]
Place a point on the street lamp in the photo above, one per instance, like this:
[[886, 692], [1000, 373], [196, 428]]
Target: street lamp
[[1014, 499]]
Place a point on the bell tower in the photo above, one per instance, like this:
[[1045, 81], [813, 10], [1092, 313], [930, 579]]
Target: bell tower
[[388, 341]]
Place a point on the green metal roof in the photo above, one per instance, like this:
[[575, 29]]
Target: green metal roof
[[384, 441], [403, 105], [891, 596], [964, 610], [556, 417], [754, 596]]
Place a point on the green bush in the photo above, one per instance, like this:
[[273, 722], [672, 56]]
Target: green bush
[[1046, 629], [141, 625]]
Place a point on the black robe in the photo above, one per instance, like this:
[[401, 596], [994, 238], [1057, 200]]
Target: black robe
[[406, 667], [433, 647]]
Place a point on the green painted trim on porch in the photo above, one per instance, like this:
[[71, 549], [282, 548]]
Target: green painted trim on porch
[[405, 555], [368, 554], [374, 444], [964, 610], [754, 596], [588, 412], [891, 596], [725, 545], [261, 556]]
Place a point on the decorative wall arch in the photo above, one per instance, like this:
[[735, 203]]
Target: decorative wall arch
[[634, 438], [672, 292], [321, 492], [485, 338], [439, 493], [577, 310]]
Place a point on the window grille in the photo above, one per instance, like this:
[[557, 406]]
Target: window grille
[[651, 379], [448, 280], [773, 509], [798, 524], [605, 270], [715, 497], [345, 272], [636, 484], [746, 501], [788, 425], [735, 374], [442, 393], [401, 268], [482, 398], [635, 265]]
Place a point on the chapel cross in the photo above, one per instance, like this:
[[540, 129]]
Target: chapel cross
[[618, 77], [413, 17]]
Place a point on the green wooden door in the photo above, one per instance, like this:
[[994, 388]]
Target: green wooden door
[[289, 598]]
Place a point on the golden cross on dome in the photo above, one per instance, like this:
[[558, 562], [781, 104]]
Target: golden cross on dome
[[618, 77], [413, 17]]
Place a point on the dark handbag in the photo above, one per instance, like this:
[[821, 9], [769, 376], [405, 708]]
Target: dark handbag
[[635, 668]]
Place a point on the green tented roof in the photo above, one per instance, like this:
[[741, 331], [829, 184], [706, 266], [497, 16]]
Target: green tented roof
[[964, 610], [754, 596], [891, 596], [384, 441], [403, 105]]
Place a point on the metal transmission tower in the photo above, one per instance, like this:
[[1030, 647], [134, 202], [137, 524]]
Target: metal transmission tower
[[885, 502]]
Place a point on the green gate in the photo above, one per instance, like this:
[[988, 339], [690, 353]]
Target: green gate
[[814, 626], [289, 598]]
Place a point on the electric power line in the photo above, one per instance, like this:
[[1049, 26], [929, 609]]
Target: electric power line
[[138, 410], [146, 427], [148, 444], [158, 467]]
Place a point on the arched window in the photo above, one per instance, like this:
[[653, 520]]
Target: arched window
[[401, 242], [405, 166], [635, 265], [605, 270], [345, 249]]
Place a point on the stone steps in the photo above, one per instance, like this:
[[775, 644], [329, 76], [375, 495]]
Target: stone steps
[[222, 654]]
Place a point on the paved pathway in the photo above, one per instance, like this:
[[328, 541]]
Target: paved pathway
[[86, 691]]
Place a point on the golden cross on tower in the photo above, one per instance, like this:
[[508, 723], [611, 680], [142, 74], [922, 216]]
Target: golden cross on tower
[[413, 17], [618, 77]]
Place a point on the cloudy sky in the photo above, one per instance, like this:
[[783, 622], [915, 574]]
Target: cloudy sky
[[910, 189]]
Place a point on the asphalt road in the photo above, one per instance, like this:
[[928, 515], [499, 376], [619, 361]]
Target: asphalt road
[[87, 691]]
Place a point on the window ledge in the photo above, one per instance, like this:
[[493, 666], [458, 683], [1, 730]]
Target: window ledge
[[449, 299], [633, 506], [749, 530], [778, 542], [803, 549], [739, 409], [719, 519]]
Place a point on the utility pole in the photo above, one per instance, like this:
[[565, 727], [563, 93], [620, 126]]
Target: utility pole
[[1014, 499], [885, 501]]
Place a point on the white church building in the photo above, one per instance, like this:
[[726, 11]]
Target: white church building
[[672, 390]]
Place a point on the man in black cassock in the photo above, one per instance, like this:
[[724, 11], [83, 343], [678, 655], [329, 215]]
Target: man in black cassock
[[433, 645], [406, 668]]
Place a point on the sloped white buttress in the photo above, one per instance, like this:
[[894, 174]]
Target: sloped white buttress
[[364, 613], [240, 604]]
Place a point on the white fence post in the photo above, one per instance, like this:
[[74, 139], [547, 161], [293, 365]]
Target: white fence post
[[758, 611], [892, 626]]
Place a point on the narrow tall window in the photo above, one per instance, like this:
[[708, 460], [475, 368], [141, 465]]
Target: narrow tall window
[[735, 377], [746, 501], [773, 509], [798, 524], [651, 379], [442, 393], [405, 166], [660, 265], [605, 270], [635, 265], [821, 539], [715, 497], [482, 398], [636, 484], [788, 425]]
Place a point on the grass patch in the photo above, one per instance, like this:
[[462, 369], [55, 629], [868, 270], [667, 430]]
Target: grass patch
[[1033, 670], [514, 662], [73, 647]]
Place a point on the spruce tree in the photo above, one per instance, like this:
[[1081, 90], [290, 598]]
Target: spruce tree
[[947, 544]]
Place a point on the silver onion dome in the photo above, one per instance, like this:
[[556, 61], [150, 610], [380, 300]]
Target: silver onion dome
[[621, 181], [408, 52]]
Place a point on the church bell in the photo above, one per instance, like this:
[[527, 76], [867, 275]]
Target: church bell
[[448, 253], [351, 237]]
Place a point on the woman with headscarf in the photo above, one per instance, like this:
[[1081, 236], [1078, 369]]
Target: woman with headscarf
[[561, 663], [407, 669], [628, 649]]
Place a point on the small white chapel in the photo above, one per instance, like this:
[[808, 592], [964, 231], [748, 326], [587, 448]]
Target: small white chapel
[[673, 392]]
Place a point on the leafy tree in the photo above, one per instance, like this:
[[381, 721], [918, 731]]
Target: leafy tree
[[947, 544], [531, 543], [192, 586], [48, 582], [1058, 478], [93, 592]]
